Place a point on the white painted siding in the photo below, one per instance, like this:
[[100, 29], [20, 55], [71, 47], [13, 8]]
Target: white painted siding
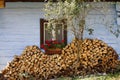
[[19, 27], [95, 20], [100, 24]]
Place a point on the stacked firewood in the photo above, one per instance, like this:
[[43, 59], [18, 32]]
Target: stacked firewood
[[96, 56], [2, 77], [93, 56], [34, 64], [76, 58]]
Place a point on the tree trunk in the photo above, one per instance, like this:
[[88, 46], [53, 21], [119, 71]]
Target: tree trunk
[[81, 29], [79, 40]]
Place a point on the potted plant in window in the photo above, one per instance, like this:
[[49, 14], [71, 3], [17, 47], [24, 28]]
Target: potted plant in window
[[53, 46]]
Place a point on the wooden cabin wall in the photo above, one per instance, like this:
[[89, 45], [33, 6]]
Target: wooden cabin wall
[[20, 27]]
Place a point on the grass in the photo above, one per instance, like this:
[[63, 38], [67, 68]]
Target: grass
[[115, 76]]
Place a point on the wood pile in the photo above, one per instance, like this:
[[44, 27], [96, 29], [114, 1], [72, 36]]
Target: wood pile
[[2, 77], [33, 63], [95, 55]]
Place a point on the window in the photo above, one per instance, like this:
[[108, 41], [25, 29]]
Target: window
[[2, 3], [59, 30]]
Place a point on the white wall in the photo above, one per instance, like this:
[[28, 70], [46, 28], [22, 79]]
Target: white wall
[[100, 20], [19, 27]]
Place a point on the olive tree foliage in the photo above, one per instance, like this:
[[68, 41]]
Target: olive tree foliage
[[74, 12]]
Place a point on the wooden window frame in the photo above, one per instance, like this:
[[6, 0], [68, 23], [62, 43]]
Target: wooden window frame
[[42, 21], [2, 3]]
